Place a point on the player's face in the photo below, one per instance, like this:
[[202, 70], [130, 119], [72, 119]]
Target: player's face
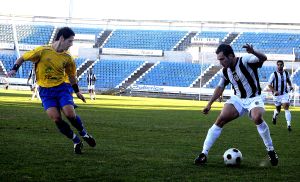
[[224, 61], [280, 66], [67, 43]]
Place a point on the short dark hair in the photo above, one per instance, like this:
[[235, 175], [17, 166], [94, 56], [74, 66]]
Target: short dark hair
[[226, 49], [66, 32], [280, 61]]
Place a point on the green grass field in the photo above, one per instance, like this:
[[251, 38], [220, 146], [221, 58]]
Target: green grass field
[[139, 139]]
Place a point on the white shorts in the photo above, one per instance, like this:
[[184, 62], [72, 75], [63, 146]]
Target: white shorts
[[281, 99], [245, 105], [91, 87], [33, 85]]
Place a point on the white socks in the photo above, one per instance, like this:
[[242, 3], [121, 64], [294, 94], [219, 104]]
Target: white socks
[[92, 96], [264, 132], [275, 114], [212, 135], [215, 131], [288, 117]]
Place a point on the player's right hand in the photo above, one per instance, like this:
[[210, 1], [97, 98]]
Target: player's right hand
[[276, 93], [206, 109], [81, 97], [11, 73], [249, 48]]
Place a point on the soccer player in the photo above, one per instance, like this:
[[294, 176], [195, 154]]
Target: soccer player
[[91, 79], [242, 73], [52, 63], [33, 85], [278, 85]]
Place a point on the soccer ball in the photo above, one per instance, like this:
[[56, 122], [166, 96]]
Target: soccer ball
[[232, 157]]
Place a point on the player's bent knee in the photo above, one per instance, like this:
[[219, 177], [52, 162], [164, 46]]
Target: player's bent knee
[[71, 118], [257, 119], [57, 119], [70, 115], [220, 122]]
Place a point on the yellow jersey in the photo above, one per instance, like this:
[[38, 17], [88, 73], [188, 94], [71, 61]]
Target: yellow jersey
[[67, 79], [52, 67]]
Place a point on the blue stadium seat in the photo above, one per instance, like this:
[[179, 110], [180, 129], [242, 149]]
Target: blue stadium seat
[[145, 39], [177, 74], [111, 73], [34, 34]]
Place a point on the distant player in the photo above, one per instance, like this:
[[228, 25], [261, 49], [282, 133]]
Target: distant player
[[278, 82], [91, 79], [32, 82], [53, 62], [242, 73], [6, 82]]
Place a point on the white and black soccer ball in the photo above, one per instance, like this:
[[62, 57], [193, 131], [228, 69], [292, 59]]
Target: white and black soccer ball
[[233, 157]]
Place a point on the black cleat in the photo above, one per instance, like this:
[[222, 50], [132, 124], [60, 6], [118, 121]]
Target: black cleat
[[289, 128], [274, 121], [273, 157], [90, 140], [201, 159], [78, 147]]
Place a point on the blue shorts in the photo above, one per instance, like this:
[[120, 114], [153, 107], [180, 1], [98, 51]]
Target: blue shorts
[[58, 96], [70, 88]]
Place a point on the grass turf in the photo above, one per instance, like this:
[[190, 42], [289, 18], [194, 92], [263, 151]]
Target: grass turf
[[139, 139]]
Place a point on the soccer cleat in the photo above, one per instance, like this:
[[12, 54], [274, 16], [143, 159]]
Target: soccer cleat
[[90, 140], [289, 128], [273, 157], [78, 147], [201, 159], [274, 121]]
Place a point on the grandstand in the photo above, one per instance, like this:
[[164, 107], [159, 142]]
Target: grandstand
[[141, 60]]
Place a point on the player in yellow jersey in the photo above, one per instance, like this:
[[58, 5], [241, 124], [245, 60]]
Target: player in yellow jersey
[[52, 63]]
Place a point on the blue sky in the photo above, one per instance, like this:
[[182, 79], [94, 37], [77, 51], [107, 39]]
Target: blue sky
[[190, 10]]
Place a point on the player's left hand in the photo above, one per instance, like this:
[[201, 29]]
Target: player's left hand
[[249, 48], [206, 109], [81, 97]]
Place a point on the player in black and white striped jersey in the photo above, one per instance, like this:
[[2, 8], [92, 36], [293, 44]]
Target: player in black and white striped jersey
[[278, 84], [242, 73], [33, 84], [91, 80]]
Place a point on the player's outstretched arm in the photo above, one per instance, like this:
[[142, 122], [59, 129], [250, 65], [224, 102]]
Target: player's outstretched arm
[[80, 96], [217, 93], [290, 84], [15, 68], [261, 56], [273, 90], [75, 87]]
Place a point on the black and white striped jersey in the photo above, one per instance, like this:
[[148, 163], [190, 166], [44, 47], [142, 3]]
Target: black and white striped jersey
[[243, 77], [279, 81], [32, 75], [91, 79]]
